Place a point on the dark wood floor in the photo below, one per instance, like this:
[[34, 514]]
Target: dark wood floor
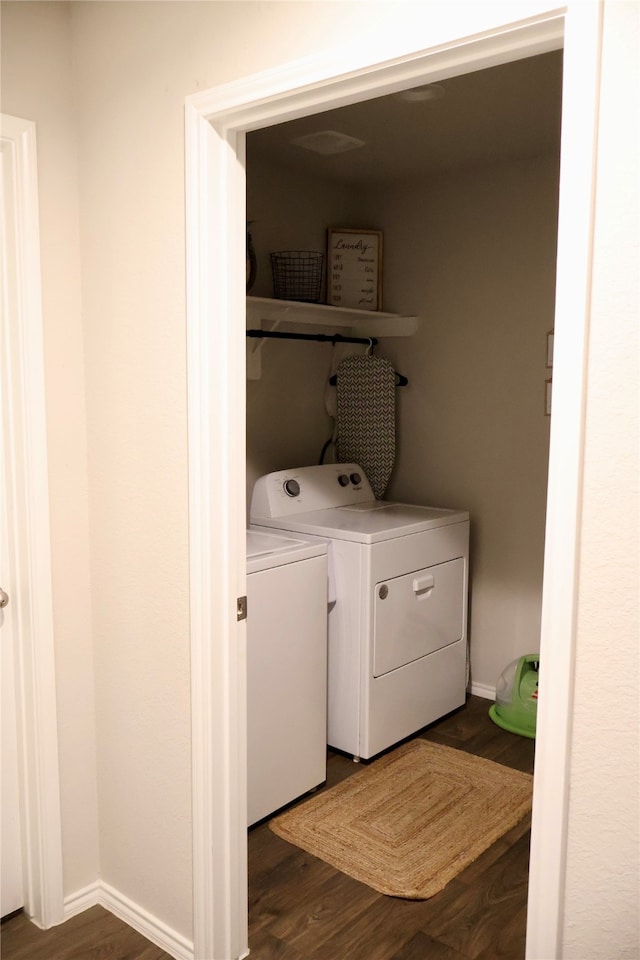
[[93, 935], [302, 909]]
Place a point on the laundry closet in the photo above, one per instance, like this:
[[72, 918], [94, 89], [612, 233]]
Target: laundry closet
[[464, 189]]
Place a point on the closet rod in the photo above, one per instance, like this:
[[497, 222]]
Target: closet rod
[[322, 337]]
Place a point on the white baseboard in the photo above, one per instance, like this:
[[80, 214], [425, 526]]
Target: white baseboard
[[101, 894], [482, 690], [81, 900]]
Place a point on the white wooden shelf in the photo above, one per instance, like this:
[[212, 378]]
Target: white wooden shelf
[[358, 323]]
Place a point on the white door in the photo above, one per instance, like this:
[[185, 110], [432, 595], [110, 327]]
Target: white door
[[28, 666], [417, 614], [11, 888]]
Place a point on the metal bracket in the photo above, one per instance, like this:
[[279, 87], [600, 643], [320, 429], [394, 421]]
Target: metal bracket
[[242, 608]]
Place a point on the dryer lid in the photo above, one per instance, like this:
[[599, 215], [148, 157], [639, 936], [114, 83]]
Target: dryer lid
[[373, 525], [335, 500]]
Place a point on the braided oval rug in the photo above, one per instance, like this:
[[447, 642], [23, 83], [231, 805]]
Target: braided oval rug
[[411, 821]]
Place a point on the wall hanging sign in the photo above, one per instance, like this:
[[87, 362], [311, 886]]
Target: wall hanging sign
[[354, 269]]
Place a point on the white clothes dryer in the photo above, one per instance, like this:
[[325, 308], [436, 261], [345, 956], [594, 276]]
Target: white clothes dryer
[[398, 628], [286, 669]]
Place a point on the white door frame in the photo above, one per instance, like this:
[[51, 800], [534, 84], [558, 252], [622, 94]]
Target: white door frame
[[28, 527], [216, 121]]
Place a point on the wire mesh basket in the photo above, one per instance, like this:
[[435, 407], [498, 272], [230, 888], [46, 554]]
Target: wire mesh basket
[[297, 275]]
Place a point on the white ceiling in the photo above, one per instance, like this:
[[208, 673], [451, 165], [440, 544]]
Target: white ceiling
[[503, 113]]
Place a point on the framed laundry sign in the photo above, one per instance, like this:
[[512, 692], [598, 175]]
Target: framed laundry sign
[[354, 269]]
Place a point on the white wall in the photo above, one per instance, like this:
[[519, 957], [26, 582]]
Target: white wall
[[601, 902], [37, 85], [132, 212]]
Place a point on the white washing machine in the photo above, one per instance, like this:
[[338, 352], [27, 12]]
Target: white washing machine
[[286, 669], [398, 627]]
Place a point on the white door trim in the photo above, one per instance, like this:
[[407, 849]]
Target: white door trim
[[215, 123], [23, 403], [216, 405], [580, 101]]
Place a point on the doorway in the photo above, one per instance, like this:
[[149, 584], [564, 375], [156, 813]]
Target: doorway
[[464, 189], [216, 122]]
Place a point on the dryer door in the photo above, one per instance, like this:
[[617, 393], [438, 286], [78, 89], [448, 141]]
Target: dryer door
[[416, 614]]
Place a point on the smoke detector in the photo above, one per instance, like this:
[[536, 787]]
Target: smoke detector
[[328, 142]]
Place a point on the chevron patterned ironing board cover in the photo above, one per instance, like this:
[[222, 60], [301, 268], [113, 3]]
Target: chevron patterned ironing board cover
[[366, 417]]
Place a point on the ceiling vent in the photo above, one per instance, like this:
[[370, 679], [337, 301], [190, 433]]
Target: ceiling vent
[[328, 142]]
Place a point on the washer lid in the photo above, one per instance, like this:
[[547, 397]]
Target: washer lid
[[267, 550], [370, 522]]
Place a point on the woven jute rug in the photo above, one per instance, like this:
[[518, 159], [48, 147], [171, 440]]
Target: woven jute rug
[[410, 822]]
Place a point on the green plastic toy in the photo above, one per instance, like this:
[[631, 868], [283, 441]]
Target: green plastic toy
[[516, 703]]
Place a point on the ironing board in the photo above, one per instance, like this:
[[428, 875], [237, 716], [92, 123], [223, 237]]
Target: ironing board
[[366, 417]]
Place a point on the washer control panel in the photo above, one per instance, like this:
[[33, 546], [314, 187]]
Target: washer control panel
[[291, 488], [306, 489]]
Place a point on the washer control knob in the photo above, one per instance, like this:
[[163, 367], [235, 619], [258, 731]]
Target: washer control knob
[[291, 488], [356, 479], [343, 480], [383, 592]]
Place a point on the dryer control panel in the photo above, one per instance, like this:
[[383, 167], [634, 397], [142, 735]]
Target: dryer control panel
[[286, 493]]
